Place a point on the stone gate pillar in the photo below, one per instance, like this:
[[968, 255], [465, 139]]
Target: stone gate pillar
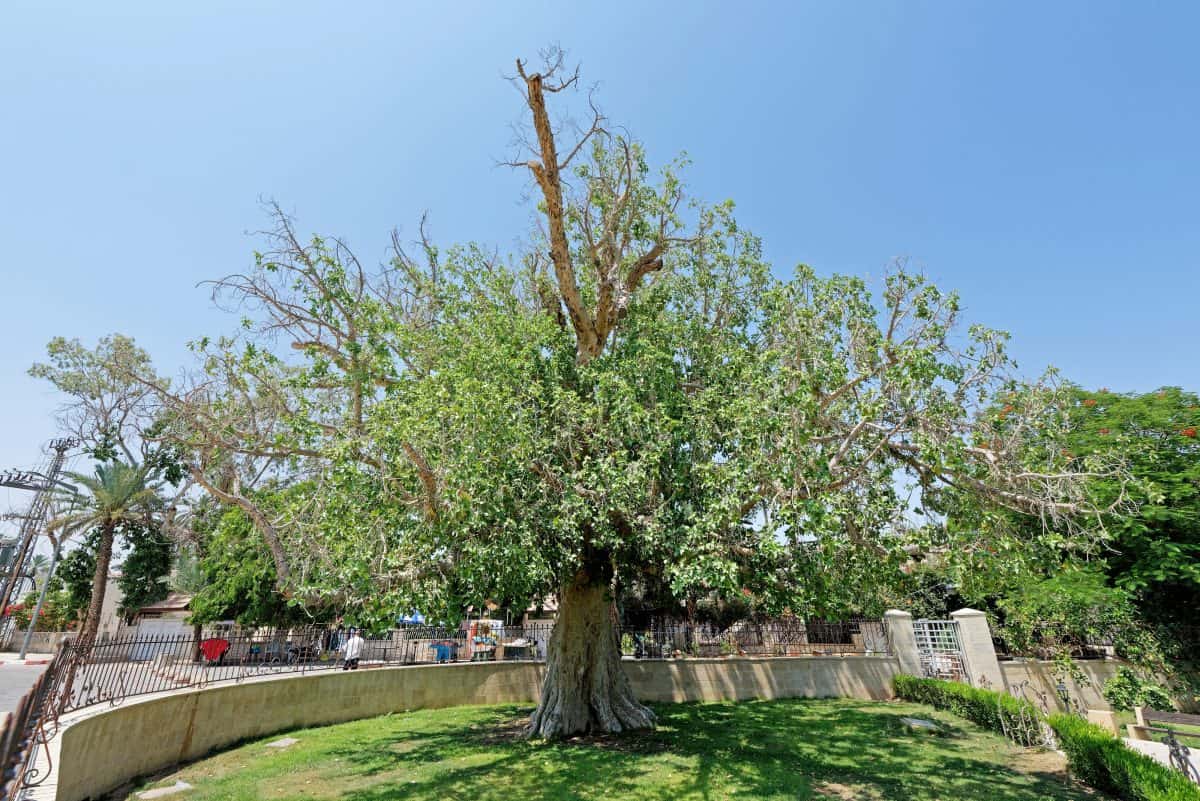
[[975, 637], [898, 625]]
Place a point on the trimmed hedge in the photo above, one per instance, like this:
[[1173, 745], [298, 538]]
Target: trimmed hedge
[[1101, 760], [1095, 757], [999, 712]]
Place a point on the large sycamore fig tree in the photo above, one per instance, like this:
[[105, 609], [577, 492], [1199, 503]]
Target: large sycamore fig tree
[[636, 393]]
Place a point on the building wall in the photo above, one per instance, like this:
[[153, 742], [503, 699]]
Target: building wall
[[42, 642], [110, 621], [105, 749]]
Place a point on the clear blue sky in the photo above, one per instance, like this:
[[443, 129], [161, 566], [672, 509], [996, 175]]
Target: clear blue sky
[[1043, 158]]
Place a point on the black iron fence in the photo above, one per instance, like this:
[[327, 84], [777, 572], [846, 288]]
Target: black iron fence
[[774, 638], [25, 736], [114, 669], [117, 668], [110, 670]]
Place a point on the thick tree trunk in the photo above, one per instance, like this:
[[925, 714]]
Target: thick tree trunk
[[586, 690], [99, 585]]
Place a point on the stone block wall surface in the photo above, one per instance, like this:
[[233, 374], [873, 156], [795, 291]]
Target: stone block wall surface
[[1086, 687]]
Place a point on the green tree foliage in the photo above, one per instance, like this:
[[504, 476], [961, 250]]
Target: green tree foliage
[[634, 397], [116, 496], [238, 578], [144, 570], [1157, 548], [76, 570], [1052, 616], [56, 614], [1136, 583], [1127, 689], [107, 407], [188, 576]]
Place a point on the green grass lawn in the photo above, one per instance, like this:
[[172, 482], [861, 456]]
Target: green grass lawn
[[799, 749]]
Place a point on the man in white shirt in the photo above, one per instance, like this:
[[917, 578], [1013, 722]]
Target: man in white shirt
[[352, 650]]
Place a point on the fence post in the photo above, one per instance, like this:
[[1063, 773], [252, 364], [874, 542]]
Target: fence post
[[979, 653], [898, 625]]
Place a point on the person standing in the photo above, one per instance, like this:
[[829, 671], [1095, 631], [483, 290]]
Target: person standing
[[352, 650]]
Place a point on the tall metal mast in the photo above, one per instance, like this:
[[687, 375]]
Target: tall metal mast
[[41, 484]]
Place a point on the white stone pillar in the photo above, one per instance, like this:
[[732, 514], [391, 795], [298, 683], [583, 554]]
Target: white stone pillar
[[902, 641], [975, 637]]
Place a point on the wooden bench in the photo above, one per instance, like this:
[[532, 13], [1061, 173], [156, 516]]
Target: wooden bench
[[1149, 720], [1178, 755]]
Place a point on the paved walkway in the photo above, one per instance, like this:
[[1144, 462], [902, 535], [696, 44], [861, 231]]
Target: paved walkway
[[14, 658], [15, 681], [1159, 752], [46, 789]]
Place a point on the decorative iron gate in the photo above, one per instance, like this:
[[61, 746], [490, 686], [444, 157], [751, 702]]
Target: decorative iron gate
[[940, 649]]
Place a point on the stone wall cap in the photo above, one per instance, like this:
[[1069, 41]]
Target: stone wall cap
[[897, 613], [967, 612]]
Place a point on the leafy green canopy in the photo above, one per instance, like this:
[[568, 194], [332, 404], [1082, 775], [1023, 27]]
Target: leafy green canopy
[[76, 571], [1156, 549], [464, 427], [145, 568], [236, 579], [144, 571], [1048, 591]]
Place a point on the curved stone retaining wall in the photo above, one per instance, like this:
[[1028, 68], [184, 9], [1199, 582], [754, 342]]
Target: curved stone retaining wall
[[104, 749]]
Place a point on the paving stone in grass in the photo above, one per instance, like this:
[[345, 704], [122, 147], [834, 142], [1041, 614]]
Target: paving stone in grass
[[163, 792], [920, 724]]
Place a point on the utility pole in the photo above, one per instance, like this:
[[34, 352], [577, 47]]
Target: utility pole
[[41, 484], [37, 610]]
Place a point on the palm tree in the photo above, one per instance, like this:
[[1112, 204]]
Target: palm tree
[[118, 493]]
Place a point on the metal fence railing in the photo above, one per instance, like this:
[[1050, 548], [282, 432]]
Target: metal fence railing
[[25, 734], [108, 671], [939, 649], [775, 638], [117, 668]]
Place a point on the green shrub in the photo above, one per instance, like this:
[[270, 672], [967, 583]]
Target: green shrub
[[1096, 757], [1127, 690], [1102, 761], [999, 712]]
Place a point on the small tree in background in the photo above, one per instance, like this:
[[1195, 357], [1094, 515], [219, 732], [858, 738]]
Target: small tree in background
[[1155, 550], [236, 579], [112, 413], [76, 571], [1136, 587], [145, 568]]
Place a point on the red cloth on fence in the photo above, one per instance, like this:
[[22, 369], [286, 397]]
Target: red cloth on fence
[[214, 649]]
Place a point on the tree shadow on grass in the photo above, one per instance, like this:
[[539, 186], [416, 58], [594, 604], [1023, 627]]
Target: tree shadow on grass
[[499, 764], [851, 744], [753, 750]]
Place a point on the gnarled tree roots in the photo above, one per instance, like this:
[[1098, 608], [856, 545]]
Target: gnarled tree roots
[[586, 691]]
